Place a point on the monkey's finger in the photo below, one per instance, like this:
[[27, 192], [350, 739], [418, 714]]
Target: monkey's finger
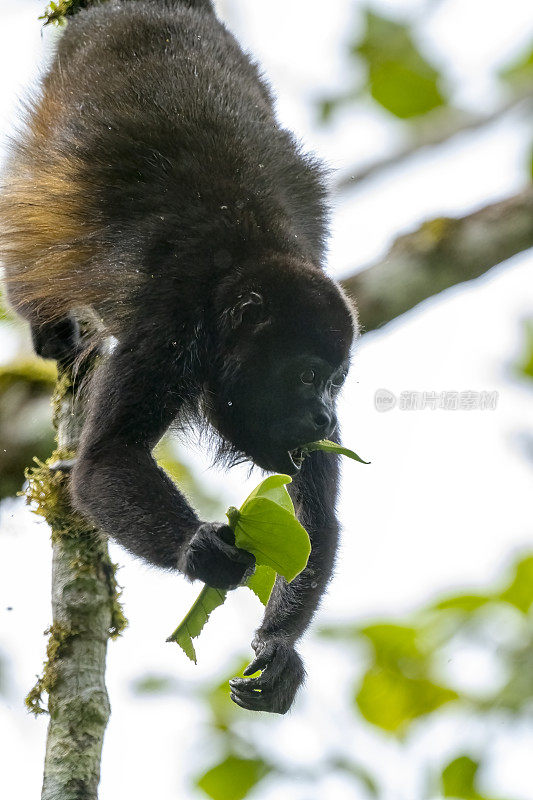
[[226, 534], [236, 554], [259, 663], [272, 667], [245, 685], [250, 703], [262, 682]]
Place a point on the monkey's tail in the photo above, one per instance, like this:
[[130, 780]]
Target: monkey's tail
[[56, 12]]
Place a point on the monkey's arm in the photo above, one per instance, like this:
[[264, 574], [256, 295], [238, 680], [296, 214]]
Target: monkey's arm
[[292, 606], [135, 395]]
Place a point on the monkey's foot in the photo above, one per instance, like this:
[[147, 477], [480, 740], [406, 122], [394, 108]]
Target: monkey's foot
[[281, 676]]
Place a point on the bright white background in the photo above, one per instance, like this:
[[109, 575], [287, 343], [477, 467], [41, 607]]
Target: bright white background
[[447, 500]]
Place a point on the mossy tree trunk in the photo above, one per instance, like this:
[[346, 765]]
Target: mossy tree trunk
[[86, 612]]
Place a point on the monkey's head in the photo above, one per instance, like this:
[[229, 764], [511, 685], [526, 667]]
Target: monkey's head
[[283, 336]]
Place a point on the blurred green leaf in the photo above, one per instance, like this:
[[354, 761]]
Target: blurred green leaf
[[458, 779], [165, 455], [400, 78], [390, 700], [217, 696], [520, 72], [154, 684], [341, 631], [520, 591], [525, 366], [517, 694], [393, 644], [25, 419], [233, 778], [467, 603]]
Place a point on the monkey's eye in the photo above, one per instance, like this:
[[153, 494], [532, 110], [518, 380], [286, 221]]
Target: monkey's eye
[[307, 377], [339, 380]]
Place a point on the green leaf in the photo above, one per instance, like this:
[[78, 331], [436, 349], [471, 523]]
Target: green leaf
[[273, 488], [154, 684], [465, 603], [167, 456], [394, 644], [520, 591], [273, 535], [344, 632], [525, 366], [331, 447], [262, 582], [390, 700], [458, 778], [265, 526], [520, 72], [400, 78], [233, 778], [192, 624]]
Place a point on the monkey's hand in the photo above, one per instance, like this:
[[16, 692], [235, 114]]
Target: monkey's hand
[[282, 674], [211, 556]]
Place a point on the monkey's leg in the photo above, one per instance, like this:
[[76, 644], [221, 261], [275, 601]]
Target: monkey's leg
[[292, 605], [59, 340], [135, 395]]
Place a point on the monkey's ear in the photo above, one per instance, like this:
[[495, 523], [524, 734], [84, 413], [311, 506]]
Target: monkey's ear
[[249, 310]]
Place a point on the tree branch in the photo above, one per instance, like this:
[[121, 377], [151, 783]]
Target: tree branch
[[86, 613], [441, 253], [438, 128]]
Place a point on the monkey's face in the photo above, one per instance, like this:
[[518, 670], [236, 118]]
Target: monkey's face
[[274, 393], [277, 403], [282, 357]]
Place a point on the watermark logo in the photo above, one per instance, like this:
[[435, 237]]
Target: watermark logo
[[384, 400], [448, 400]]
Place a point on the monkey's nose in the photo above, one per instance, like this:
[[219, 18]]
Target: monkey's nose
[[323, 423], [322, 420]]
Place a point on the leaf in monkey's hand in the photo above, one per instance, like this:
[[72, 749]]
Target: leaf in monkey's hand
[[273, 536], [192, 624], [331, 447], [273, 488], [262, 582], [265, 526]]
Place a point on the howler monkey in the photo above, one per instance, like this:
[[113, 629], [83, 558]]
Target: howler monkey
[[152, 183]]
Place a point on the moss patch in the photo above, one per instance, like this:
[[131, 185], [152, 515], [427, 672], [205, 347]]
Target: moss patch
[[48, 495], [56, 13], [58, 641]]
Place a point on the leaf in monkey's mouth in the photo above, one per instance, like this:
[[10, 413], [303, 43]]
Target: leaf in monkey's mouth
[[328, 447]]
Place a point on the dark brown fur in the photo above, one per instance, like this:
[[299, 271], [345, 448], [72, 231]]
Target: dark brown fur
[[152, 183]]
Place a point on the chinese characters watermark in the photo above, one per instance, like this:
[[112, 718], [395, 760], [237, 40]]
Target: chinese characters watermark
[[467, 400]]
